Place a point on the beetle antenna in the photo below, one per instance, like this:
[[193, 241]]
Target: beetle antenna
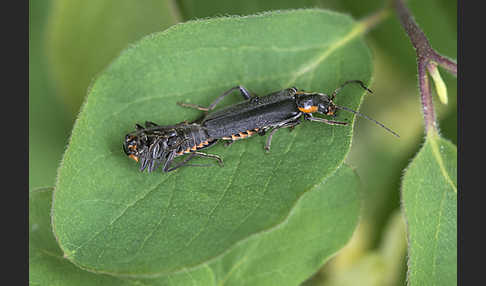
[[335, 92], [369, 118]]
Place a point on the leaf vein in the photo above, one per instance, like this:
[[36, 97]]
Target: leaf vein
[[221, 198], [313, 63], [436, 236], [162, 218], [120, 215], [438, 157], [240, 262]]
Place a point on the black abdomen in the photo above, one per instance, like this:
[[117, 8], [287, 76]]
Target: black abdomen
[[194, 138]]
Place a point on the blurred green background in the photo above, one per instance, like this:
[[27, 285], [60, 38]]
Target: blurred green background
[[70, 42]]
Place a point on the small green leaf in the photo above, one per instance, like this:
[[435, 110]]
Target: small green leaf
[[440, 86], [429, 199], [109, 217], [285, 255]]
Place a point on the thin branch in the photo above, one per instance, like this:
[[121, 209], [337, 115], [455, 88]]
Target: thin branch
[[416, 35], [446, 63], [427, 58], [427, 105]]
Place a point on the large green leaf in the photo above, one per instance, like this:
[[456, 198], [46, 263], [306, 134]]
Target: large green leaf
[[429, 198], [109, 217], [286, 255]]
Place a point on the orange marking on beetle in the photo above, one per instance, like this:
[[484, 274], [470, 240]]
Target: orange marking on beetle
[[133, 157], [250, 132], [243, 135], [310, 109], [202, 144], [194, 148], [235, 137]]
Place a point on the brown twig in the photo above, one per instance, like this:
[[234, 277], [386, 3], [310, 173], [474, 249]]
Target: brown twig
[[427, 60]]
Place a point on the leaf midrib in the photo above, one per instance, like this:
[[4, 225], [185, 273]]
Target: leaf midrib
[[357, 30], [433, 137]]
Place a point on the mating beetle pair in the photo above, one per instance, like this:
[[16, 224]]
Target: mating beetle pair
[[155, 145]]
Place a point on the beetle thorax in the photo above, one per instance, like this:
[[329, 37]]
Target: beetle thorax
[[315, 102]]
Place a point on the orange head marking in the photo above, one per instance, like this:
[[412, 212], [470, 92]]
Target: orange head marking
[[309, 109], [132, 147]]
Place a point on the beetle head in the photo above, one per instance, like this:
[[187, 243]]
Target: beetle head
[[150, 145]]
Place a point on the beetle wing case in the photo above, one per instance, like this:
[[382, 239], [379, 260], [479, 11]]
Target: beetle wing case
[[254, 113]]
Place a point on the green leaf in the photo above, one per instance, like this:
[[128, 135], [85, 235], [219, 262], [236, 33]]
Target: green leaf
[[358, 264], [429, 199], [84, 36], [47, 266], [109, 217], [286, 255]]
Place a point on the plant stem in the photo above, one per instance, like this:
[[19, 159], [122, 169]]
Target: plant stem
[[425, 95], [427, 58]]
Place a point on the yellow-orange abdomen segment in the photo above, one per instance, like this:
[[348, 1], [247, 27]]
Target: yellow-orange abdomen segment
[[310, 109]]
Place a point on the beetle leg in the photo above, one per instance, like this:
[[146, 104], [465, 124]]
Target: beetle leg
[[167, 163], [262, 131], [179, 164], [322, 120], [154, 164], [212, 156], [290, 124], [149, 124], [191, 156], [269, 140], [243, 91]]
